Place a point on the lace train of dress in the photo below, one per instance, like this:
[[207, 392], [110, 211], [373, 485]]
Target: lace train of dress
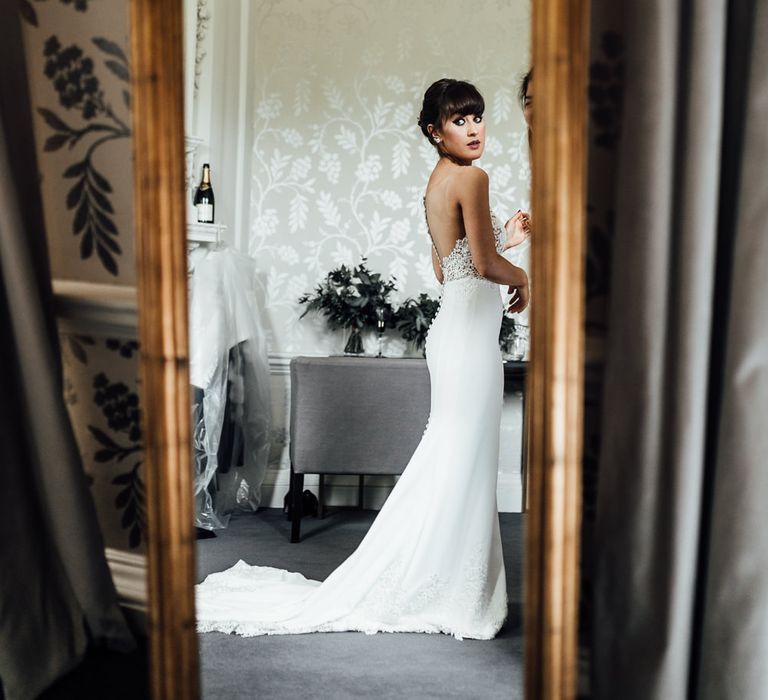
[[432, 560]]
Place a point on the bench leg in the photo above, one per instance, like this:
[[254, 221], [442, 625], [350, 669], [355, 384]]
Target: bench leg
[[297, 510]]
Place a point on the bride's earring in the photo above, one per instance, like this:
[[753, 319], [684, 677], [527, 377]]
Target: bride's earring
[[437, 139]]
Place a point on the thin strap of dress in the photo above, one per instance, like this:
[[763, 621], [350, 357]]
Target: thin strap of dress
[[426, 220]]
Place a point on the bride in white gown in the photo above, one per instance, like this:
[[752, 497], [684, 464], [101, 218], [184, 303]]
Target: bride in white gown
[[432, 560]]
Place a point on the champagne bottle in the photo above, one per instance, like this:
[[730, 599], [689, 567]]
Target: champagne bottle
[[203, 200]]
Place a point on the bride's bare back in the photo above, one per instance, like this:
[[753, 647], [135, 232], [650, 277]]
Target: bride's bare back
[[457, 207], [444, 212]]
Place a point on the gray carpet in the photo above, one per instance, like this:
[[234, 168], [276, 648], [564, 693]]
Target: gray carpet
[[351, 665]]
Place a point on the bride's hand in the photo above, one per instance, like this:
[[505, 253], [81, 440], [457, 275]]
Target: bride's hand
[[519, 299], [518, 229]]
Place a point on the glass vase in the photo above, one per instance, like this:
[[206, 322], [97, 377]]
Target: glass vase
[[519, 348], [354, 344]]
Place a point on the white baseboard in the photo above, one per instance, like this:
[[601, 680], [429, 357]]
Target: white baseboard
[[343, 492], [340, 490], [129, 573], [509, 493]]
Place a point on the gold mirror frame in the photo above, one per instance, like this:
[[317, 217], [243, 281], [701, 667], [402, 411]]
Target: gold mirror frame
[[555, 384]]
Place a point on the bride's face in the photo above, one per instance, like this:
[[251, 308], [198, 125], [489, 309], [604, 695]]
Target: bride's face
[[463, 136], [528, 105]]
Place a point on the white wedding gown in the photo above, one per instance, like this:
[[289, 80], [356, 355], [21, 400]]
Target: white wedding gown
[[432, 560]]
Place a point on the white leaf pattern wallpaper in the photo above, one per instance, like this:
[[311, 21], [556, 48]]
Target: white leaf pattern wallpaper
[[338, 163]]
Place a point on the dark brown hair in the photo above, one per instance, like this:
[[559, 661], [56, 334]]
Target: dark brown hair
[[447, 97], [522, 92]]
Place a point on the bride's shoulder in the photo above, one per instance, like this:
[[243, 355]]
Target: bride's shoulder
[[472, 176], [472, 172], [470, 181]]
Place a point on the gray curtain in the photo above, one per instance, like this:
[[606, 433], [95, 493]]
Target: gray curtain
[[681, 564], [57, 593]]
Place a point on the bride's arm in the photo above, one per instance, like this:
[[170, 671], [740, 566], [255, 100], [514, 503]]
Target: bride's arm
[[518, 229], [473, 199]]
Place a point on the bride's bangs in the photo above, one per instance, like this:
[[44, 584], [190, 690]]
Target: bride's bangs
[[461, 98]]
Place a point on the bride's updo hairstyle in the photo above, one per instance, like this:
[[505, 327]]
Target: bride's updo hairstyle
[[445, 98]]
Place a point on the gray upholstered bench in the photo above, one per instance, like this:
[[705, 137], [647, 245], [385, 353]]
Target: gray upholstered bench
[[353, 415]]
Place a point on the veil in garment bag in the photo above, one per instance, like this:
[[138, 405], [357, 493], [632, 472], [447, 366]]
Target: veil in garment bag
[[229, 373]]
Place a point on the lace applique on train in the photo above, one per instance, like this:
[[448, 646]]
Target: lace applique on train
[[458, 263], [394, 600]]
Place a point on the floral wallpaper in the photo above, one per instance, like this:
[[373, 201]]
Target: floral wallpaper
[[79, 74], [79, 70], [339, 164], [102, 398]]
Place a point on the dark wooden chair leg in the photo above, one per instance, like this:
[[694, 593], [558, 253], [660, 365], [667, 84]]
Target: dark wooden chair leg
[[297, 504], [321, 497], [360, 484]]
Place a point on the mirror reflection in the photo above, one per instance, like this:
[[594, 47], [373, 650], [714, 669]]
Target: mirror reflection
[[358, 247]]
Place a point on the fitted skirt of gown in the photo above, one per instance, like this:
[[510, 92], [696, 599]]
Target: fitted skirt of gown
[[432, 559]]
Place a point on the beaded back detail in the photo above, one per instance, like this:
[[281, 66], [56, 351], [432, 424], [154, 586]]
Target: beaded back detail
[[458, 263]]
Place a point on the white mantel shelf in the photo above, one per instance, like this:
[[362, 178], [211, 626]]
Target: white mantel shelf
[[205, 233]]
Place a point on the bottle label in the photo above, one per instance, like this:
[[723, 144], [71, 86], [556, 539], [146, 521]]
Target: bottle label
[[205, 213]]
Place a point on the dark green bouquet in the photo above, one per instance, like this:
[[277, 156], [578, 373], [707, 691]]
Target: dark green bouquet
[[414, 317], [513, 338], [507, 331], [353, 298]]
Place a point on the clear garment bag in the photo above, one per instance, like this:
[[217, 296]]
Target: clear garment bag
[[229, 372]]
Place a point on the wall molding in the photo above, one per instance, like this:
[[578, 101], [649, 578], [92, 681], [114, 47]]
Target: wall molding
[[280, 362], [111, 309], [92, 308]]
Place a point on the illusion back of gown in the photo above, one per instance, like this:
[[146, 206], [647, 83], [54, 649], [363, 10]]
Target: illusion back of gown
[[432, 560]]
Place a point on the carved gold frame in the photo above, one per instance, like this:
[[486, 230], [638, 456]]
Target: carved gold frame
[[555, 390]]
